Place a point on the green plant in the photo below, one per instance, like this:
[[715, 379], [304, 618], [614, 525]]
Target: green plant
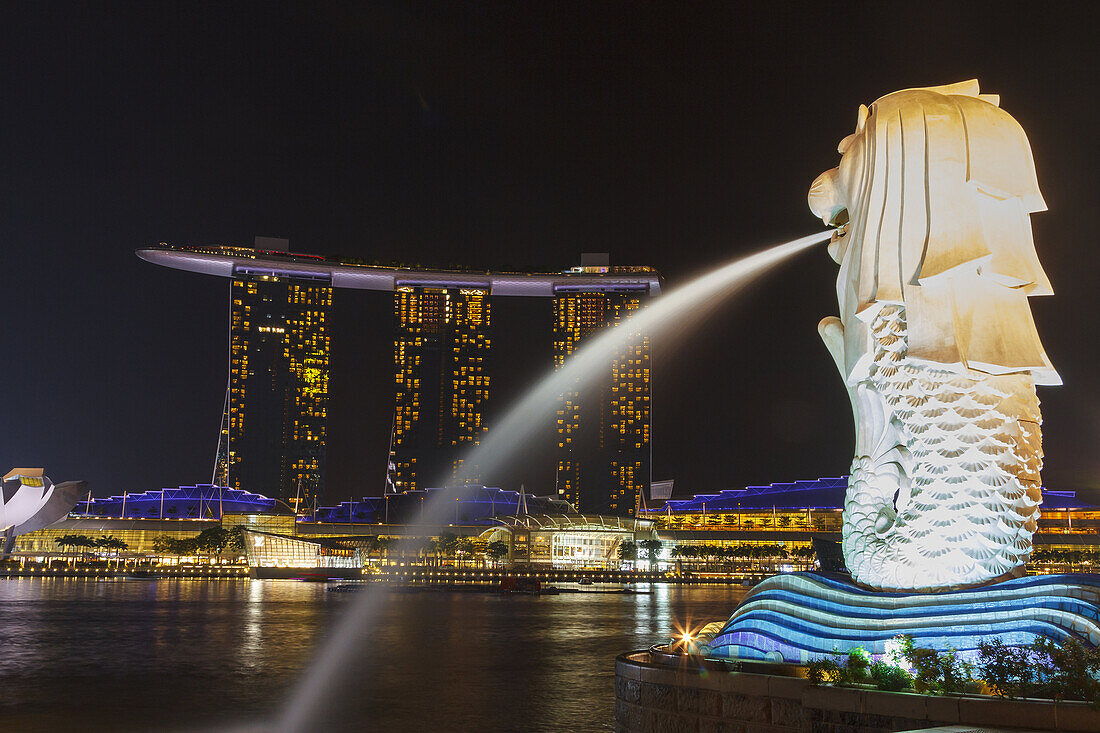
[[823, 670], [936, 672], [956, 675], [628, 551], [171, 546], [1008, 670], [890, 678], [497, 550], [841, 669], [1067, 670], [651, 547], [857, 664], [236, 539], [215, 540]]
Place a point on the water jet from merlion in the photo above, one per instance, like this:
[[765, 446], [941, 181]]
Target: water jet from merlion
[[509, 436]]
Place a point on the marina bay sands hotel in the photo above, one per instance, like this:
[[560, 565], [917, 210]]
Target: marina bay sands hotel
[[274, 427]]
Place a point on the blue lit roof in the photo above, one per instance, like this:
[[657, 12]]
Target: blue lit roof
[[822, 493], [1064, 500], [202, 501], [475, 505]]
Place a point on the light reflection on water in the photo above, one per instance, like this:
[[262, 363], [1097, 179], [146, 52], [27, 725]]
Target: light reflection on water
[[189, 655]]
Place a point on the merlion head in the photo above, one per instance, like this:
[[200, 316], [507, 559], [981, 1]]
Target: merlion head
[[935, 183]]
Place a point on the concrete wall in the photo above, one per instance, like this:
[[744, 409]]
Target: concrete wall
[[650, 697]]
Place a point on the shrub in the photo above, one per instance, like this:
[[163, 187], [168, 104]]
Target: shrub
[[955, 674], [889, 678], [1068, 670], [1008, 670], [857, 665], [936, 672], [1065, 671], [820, 671]]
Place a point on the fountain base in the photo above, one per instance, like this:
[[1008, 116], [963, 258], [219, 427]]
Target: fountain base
[[802, 616]]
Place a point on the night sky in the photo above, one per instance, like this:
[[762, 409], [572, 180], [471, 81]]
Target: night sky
[[499, 136]]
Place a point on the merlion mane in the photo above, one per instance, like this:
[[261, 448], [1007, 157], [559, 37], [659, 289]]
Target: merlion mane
[[935, 340]]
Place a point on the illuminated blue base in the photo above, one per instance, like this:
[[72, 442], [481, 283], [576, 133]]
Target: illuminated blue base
[[803, 616]]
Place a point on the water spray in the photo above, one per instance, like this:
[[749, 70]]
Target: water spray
[[345, 644], [520, 423]]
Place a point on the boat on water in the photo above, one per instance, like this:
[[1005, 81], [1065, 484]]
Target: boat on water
[[527, 586]]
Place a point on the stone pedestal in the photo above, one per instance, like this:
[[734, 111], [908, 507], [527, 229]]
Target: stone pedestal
[[652, 697], [802, 616]]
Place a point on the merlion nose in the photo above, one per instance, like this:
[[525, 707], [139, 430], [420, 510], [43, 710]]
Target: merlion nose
[[823, 198]]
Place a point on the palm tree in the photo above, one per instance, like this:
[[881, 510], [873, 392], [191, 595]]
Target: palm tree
[[71, 541], [679, 552], [464, 547], [628, 551], [385, 544], [114, 543], [430, 548], [68, 540], [497, 550], [721, 554], [651, 547], [715, 553], [448, 542]]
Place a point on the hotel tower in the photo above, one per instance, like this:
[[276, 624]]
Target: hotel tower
[[441, 380], [275, 420], [603, 428]]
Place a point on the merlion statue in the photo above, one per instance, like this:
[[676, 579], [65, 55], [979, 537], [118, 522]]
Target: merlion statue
[[935, 339]]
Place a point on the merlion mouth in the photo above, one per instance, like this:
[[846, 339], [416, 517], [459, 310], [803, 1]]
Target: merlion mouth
[[839, 223], [839, 219], [837, 242]]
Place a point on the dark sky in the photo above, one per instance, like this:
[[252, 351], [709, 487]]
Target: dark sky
[[500, 136]]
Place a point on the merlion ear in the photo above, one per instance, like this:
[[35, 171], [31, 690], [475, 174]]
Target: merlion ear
[[998, 157], [861, 120]]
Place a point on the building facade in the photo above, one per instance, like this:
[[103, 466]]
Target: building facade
[[603, 429], [274, 427], [749, 532], [273, 431], [441, 382]]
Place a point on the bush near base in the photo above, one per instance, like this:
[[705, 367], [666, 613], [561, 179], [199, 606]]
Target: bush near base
[[1067, 671]]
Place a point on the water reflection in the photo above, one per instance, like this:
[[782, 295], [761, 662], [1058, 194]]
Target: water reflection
[[188, 655], [250, 649]]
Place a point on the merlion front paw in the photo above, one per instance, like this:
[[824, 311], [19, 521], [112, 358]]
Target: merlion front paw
[[831, 330]]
